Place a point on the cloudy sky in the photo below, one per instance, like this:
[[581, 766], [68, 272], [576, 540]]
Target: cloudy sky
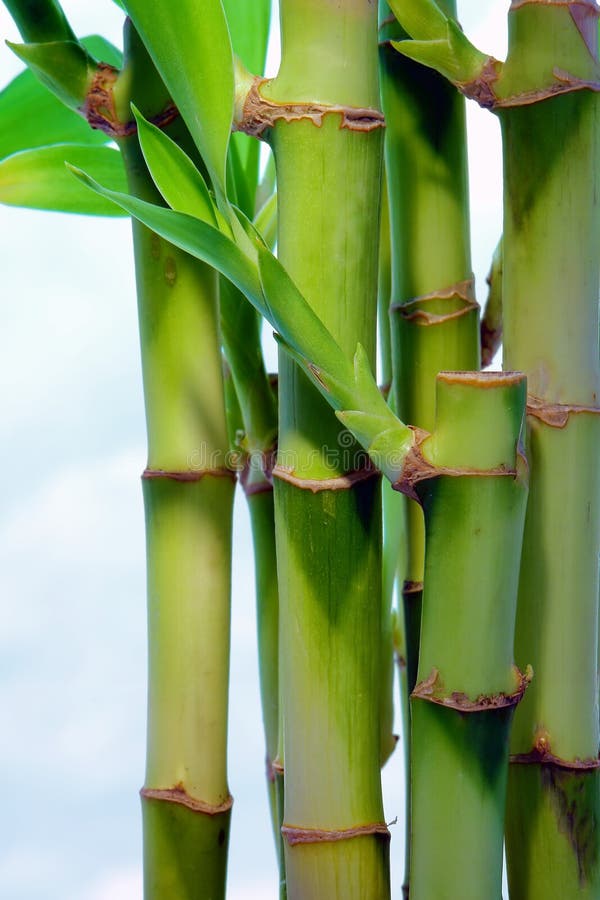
[[72, 625]]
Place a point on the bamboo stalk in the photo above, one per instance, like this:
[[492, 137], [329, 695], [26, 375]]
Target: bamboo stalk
[[474, 504], [188, 497], [550, 291], [434, 316], [329, 527]]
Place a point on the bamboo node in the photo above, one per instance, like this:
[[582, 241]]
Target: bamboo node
[[557, 415], [415, 309], [189, 474], [179, 795], [412, 589], [100, 110], [417, 469], [340, 483], [432, 690], [295, 835], [541, 754], [260, 114]]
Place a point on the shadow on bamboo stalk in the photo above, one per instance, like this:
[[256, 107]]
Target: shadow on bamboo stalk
[[433, 313], [546, 96]]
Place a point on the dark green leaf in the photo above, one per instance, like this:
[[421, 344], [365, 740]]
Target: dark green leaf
[[190, 45], [249, 22]]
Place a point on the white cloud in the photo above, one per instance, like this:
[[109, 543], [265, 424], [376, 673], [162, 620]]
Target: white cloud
[[123, 884]]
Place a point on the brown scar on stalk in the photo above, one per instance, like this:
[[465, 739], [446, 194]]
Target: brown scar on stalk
[[189, 475], [295, 835], [179, 795], [431, 690], [260, 114], [100, 110], [416, 468], [541, 755], [414, 310], [341, 483], [557, 415]]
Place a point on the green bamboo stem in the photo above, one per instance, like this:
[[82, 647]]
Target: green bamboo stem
[[40, 20], [551, 273], [188, 491], [434, 317], [188, 496], [329, 528], [474, 502]]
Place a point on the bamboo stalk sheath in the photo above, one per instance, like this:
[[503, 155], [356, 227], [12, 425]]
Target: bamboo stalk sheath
[[328, 527]]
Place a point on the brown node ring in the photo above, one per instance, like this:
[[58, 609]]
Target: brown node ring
[[295, 835], [260, 114], [100, 110], [542, 755], [430, 690], [189, 475], [341, 483], [557, 415], [414, 309], [179, 796], [416, 468]]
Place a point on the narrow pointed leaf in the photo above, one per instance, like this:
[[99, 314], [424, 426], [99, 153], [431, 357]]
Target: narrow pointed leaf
[[38, 179], [174, 173], [190, 45], [189, 234], [265, 221], [249, 22]]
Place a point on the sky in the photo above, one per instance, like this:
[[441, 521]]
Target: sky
[[72, 571]]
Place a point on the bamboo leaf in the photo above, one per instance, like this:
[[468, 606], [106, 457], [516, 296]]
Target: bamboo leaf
[[174, 173], [265, 221], [249, 22], [102, 50], [190, 45], [64, 67], [30, 116], [38, 179], [195, 237], [276, 297]]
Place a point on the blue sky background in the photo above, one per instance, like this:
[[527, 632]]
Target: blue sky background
[[72, 571]]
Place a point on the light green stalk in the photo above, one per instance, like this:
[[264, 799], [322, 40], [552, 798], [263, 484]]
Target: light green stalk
[[550, 290], [188, 495], [434, 317], [328, 528], [474, 504]]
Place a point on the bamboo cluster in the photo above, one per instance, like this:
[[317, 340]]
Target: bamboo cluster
[[473, 496]]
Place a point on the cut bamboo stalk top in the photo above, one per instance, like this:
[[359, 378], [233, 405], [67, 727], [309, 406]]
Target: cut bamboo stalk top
[[489, 406]]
